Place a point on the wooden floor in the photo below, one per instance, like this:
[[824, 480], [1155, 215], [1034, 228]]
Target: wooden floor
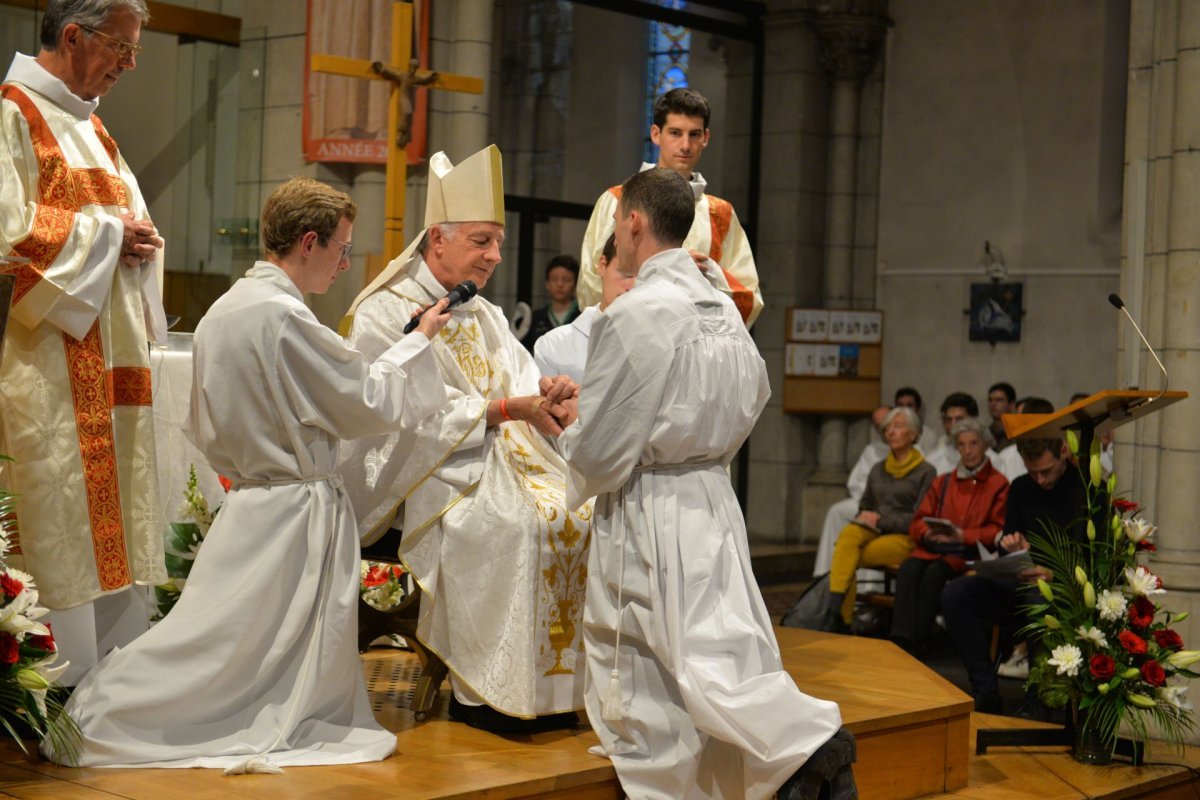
[[914, 731]]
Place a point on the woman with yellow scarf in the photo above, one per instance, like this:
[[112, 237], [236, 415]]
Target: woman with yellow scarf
[[878, 536]]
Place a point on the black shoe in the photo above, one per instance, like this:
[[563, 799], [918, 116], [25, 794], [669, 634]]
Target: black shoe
[[833, 622], [827, 775], [486, 718]]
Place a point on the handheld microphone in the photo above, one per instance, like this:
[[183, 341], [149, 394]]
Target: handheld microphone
[[457, 296], [1118, 303]]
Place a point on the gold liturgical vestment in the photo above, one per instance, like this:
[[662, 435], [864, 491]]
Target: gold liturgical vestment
[[486, 530], [75, 396]]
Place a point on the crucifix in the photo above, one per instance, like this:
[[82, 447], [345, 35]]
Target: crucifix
[[404, 76]]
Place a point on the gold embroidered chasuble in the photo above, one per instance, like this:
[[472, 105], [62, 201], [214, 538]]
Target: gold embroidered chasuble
[[486, 530], [75, 394]]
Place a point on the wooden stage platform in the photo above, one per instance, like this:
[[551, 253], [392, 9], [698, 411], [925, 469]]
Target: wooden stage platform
[[914, 730]]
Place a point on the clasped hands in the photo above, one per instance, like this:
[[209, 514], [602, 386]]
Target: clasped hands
[[139, 241], [554, 408]]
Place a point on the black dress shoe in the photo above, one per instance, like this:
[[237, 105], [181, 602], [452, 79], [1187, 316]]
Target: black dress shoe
[[827, 775], [486, 718]]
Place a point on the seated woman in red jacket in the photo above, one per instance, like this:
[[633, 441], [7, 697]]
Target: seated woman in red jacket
[[963, 508]]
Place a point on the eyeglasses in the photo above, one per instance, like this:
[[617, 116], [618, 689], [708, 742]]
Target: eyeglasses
[[125, 50], [345, 248]]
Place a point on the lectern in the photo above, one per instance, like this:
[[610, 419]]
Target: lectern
[[1099, 413]]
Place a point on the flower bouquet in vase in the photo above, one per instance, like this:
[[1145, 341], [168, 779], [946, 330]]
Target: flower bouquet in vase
[[28, 700], [1111, 653]]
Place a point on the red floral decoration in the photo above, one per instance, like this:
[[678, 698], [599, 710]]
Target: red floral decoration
[[1153, 673], [1141, 613], [1125, 506], [1132, 643], [42, 642], [1102, 667], [10, 650], [10, 585], [1168, 639]]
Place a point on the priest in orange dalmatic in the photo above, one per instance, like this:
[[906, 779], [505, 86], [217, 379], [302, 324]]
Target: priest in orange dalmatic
[[75, 395]]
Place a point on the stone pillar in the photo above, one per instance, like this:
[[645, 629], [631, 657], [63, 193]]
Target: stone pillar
[[850, 33], [1159, 458]]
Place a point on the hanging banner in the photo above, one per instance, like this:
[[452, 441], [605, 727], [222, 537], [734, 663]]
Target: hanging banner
[[346, 119]]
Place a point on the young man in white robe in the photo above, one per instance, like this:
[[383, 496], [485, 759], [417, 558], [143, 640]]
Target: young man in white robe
[[686, 688], [257, 667], [563, 351], [75, 396], [716, 239], [485, 529]]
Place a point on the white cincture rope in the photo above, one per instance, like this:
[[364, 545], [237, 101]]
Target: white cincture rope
[[260, 762], [610, 706]]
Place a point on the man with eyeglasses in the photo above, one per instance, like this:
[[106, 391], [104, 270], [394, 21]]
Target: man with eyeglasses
[[75, 395]]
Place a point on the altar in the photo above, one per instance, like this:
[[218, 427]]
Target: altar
[[171, 378]]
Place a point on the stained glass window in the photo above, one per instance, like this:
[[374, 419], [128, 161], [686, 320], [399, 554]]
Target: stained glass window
[[666, 66]]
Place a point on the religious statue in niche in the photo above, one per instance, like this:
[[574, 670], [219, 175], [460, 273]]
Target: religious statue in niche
[[996, 311]]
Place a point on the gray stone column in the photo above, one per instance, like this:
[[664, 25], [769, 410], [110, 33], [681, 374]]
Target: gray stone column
[[1159, 458], [850, 33]]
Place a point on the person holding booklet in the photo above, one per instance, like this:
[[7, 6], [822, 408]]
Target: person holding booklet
[[962, 512], [1053, 492], [878, 536]]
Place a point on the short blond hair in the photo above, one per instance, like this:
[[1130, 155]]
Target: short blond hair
[[299, 206]]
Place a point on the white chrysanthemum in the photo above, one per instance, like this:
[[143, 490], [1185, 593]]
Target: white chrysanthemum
[[1067, 658], [1093, 635], [1175, 696], [1138, 530], [1141, 582], [1111, 605]]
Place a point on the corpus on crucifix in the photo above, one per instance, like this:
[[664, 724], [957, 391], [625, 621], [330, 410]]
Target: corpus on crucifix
[[405, 77]]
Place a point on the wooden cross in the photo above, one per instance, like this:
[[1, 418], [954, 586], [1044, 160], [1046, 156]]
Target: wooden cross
[[404, 75]]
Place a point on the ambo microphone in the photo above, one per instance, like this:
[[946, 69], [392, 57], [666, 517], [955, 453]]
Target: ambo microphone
[[1118, 303], [457, 296]]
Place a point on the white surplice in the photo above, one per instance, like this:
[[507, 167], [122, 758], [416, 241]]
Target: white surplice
[[258, 659], [563, 351], [487, 534], [673, 387]]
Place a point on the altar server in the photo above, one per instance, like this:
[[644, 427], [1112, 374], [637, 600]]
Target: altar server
[[257, 665], [686, 688]]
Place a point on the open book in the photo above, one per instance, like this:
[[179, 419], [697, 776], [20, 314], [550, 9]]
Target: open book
[[1005, 569]]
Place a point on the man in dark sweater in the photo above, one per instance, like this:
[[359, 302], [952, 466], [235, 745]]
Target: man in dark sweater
[[1053, 492]]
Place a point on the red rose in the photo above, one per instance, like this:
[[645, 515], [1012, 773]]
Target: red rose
[[226, 484], [1132, 643], [1168, 640], [1153, 673], [1124, 506], [1141, 613], [1102, 667], [9, 650], [42, 642], [1146, 545], [397, 571], [10, 585]]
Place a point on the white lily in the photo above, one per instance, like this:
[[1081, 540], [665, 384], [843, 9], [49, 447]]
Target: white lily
[[1174, 695], [1138, 530], [1142, 582], [1111, 605], [1067, 658], [1092, 634]]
